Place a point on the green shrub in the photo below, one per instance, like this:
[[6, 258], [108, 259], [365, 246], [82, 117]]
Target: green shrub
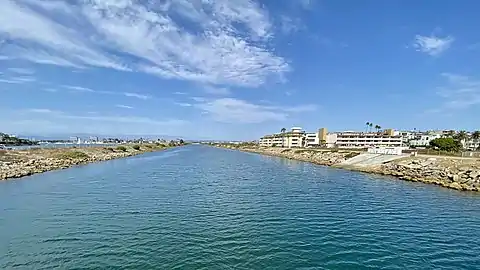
[[159, 145], [446, 144], [121, 148], [73, 155], [109, 149], [136, 147]]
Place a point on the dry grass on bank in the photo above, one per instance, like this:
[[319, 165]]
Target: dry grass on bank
[[71, 152]]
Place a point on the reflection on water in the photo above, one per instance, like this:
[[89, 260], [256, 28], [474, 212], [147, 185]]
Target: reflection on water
[[197, 207]]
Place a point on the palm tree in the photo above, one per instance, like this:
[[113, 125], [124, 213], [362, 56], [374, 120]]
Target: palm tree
[[377, 127], [462, 137], [367, 124], [370, 125], [450, 133], [283, 136], [476, 137]]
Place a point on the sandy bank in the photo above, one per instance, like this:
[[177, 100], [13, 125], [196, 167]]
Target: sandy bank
[[19, 163]]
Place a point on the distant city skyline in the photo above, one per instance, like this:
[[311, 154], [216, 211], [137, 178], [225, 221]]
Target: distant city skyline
[[235, 70]]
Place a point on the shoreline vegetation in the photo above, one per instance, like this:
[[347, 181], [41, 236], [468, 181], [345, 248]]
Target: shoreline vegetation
[[450, 172], [8, 140], [20, 163]]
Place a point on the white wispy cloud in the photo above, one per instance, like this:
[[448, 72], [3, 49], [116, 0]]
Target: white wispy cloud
[[291, 21], [123, 106], [23, 71], [301, 108], [127, 119], [16, 79], [217, 90], [198, 99], [432, 45], [42, 57], [52, 121], [39, 110], [24, 79], [228, 45], [290, 25], [307, 4], [54, 114], [459, 92], [183, 104], [8, 81], [79, 88], [231, 110], [57, 43], [136, 95]]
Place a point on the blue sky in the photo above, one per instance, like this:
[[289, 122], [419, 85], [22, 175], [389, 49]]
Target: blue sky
[[237, 69]]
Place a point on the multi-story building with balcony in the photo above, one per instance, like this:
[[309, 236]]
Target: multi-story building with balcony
[[352, 139], [348, 139], [472, 145], [291, 139], [423, 140]]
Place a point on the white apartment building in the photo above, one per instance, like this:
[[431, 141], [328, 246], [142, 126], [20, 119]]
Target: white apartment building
[[316, 139], [422, 140], [312, 139], [298, 138], [294, 138], [471, 145], [321, 139], [368, 139], [407, 136], [271, 140]]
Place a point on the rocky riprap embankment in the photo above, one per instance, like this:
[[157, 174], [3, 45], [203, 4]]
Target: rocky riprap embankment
[[15, 164], [460, 174], [321, 157], [450, 172]]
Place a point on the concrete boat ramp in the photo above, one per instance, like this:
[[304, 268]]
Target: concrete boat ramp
[[369, 160]]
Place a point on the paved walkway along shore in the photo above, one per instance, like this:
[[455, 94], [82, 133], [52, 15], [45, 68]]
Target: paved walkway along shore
[[19, 163], [454, 173]]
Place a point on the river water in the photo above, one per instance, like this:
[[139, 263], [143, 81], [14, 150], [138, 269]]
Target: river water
[[198, 207]]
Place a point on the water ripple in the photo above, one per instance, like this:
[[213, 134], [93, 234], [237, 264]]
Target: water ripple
[[207, 208]]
